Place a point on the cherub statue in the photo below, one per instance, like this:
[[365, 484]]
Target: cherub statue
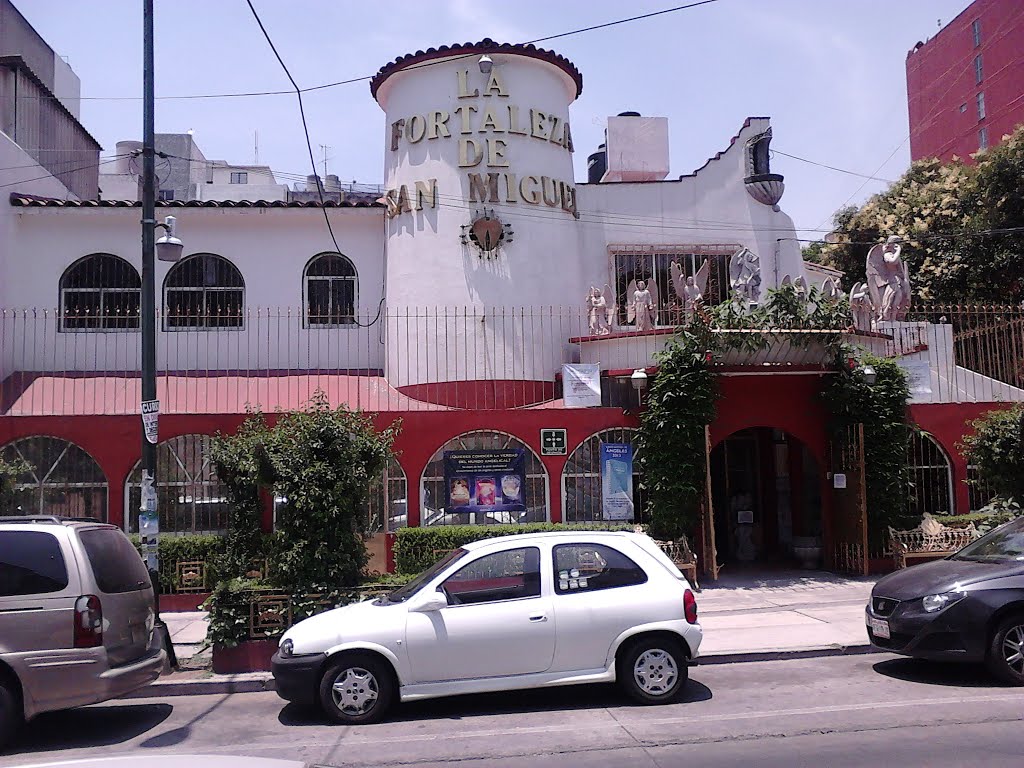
[[600, 310], [860, 307], [690, 290], [888, 280], [745, 275], [643, 303]]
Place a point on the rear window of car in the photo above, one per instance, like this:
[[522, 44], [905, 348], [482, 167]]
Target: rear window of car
[[31, 563], [115, 562], [588, 567]]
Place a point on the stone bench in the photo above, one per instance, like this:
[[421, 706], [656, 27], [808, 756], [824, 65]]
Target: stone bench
[[931, 539]]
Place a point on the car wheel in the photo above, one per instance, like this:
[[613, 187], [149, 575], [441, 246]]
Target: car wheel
[[1006, 654], [358, 688], [653, 671], [10, 714]]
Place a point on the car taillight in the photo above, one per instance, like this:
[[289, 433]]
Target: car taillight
[[690, 607], [88, 622]]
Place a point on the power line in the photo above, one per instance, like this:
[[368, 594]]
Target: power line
[[830, 167], [365, 78]]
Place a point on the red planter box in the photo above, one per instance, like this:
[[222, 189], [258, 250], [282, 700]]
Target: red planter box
[[250, 656], [184, 602]]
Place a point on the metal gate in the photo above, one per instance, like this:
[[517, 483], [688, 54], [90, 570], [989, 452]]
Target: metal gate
[[849, 551]]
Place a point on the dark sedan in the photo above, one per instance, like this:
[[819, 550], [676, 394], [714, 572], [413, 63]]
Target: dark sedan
[[967, 607]]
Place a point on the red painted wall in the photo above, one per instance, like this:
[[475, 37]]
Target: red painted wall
[[941, 78]]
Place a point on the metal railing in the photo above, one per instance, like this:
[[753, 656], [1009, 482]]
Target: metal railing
[[402, 359]]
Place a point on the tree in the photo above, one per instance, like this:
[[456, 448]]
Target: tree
[[945, 214], [996, 448], [10, 471]]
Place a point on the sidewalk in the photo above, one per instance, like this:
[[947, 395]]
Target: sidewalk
[[745, 617]]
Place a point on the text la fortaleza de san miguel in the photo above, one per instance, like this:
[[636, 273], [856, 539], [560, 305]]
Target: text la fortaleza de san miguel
[[482, 127]]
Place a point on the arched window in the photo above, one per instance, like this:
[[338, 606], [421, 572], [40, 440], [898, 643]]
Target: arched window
[[435, 508], [330, 290], [190, 496], [61, 480], [204, 291], [582, 480], [100, 292], [931, 477]]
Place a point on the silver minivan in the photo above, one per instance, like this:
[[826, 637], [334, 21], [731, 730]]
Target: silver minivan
[[76, 617]]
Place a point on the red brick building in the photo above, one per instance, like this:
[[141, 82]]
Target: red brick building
[[965, 86]]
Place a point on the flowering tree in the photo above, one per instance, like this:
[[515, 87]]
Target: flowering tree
[[953, 219]]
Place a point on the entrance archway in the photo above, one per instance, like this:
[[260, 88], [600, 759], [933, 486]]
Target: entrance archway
[[767, 495]]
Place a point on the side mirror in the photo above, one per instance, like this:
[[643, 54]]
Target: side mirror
[[430, 602]]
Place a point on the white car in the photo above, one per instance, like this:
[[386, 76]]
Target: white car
[[513, 612]]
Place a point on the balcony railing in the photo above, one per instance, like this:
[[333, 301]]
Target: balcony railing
[[439, 358]]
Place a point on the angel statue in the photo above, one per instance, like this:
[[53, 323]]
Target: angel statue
[[830, 289], [860, 307], [888, 280], [745, 275], [642, 304], [601, 310], [690, 290]]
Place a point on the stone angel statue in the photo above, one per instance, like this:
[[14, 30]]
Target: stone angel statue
[[745, 275], [642, 298], [830, 289], [860, 307], [601, 310], [888, 280], [690, 290]]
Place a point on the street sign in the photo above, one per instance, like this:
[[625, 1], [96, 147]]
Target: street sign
[[553, 442]]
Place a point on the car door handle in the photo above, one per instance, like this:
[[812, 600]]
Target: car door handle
[[539, 617]]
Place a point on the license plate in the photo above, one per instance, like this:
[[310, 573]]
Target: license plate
[[879, 628]]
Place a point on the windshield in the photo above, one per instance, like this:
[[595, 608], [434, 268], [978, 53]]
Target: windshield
[[1005, 544], [404, 593]]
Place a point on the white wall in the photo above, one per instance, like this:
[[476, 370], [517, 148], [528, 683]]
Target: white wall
[[270, 247]]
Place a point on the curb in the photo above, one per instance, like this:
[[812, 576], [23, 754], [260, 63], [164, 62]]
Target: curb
[[265, 683], [783, 655]]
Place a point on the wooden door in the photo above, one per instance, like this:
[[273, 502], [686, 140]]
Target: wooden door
[[849, 549]]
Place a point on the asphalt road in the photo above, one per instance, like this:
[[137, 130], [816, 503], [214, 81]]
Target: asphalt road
[[841, 711]]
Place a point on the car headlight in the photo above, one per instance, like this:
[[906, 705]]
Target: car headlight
[[286, 649], [933, 603]]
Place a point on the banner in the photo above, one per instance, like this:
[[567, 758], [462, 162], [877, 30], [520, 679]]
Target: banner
[[581, 385], [485, 481], [617, 481]]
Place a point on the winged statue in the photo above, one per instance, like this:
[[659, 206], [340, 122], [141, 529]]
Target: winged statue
[[860, 307], [888, 280], [745, 275], [601, 310], [642, 303], [830, 289], [690, 290]]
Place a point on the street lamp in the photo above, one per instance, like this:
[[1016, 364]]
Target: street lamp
[[168, 247], [639, 381]]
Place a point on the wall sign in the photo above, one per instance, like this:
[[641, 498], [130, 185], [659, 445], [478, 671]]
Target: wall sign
[[150, 417], [839, 480], [617, 481], [581, 385], [553, 442], [485, 481]]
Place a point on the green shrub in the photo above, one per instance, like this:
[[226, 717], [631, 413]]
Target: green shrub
[[997, 449], [419, 548], [208, 548], [992, 515]]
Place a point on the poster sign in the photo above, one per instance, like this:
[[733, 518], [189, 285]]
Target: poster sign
[[150, 416], [919, 376], [581, 385], [149, 522], [485, 481], [553, 442], [839, 480], [617, 481]]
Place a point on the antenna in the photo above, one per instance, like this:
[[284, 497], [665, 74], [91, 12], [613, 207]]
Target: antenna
[[324, 147], [256, 147]]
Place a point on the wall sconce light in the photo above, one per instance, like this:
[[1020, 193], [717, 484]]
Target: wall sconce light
[[870, 376], [486, 64]]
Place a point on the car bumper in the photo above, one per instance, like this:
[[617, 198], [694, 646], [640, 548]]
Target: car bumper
[[297, 678], [954, 634]]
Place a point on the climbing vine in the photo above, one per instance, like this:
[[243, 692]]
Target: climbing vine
[[682, 396]]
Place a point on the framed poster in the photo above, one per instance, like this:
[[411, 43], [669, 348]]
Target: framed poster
[[485, 480], [617, 481]]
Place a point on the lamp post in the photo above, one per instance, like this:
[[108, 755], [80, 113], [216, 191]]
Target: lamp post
[[170, 248]]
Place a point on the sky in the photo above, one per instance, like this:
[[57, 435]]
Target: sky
[[829, 73]]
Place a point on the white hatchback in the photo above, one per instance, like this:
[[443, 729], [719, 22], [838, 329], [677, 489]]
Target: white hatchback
[[513, 612]]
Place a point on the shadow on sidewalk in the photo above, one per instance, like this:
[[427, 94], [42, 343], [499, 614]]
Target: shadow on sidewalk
[[937, 673], [768, 579], [566, 698]]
